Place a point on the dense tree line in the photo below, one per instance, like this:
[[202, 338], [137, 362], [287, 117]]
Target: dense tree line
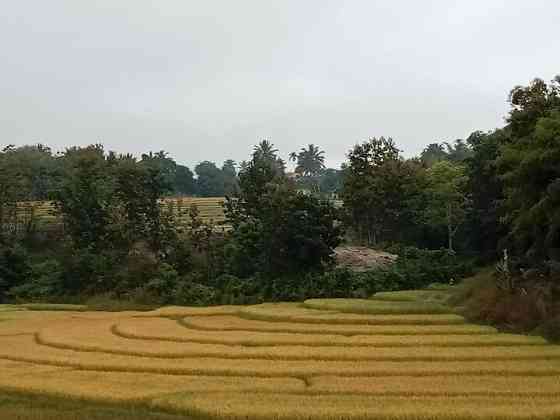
[[490, 192], [477, 197], [115, 238]]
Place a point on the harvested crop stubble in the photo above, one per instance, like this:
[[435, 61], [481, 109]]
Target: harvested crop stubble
[[377, 307], [168, 330], [296, 313], [98, 338], [123, 386], [24, 349], [10, 308], [182, 311], [529, 386], [53, 307], [331, 407], [233, 323], [29, 322], [413, 296]]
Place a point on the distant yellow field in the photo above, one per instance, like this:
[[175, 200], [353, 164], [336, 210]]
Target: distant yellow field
[[210, 209], [282, 361]]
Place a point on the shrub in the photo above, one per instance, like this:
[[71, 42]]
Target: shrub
[[46, 280], [161, 287], [14, 268], [550, 329], [417, 268], [188, 292], [235, 291]]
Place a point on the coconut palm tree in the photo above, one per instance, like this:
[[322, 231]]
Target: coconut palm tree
[[309, 162], [433, 153], [265, 151]]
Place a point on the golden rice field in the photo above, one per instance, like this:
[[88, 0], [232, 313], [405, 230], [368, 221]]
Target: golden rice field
[[210, 210], [322, 359]]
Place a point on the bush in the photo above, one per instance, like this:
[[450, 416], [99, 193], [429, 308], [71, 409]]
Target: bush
[[550, 329], [14, 268], [416, 268], [46, 281], [530, 307], [235, 291], [190, 293], [159, 289]]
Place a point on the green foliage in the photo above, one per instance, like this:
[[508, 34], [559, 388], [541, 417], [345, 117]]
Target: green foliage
[[446, 198], [85, 197], [382, 193], [532, 177], [417, 268], [14, 268], [290, 233], [45, 282], [210, 179], [330, 181], [277, 230], [184, 183], [486, 193], [310, 161], [194, 294], [265, 152], [433, 153], [457, 152]]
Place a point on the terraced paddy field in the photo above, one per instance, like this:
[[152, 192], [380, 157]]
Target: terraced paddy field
[[390, 357], [210, 210]]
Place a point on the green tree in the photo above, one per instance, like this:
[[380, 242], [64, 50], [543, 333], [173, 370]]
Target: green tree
[[231, 182], [458, 151], [210, 179], [330, 181], [277, 230], [531, 174], [485, 189], [184, 182], [379, 188], [164, 165], [85, 197], [310, 161], [266, 152], [528, 163], [433, 153], [447, 198]]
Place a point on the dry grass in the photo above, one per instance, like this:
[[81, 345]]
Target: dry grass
[[232, 323]]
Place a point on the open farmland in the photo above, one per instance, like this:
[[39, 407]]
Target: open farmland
[[316, 360], [210, 210]]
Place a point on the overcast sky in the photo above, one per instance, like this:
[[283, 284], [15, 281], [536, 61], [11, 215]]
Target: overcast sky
[[208, 79]]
